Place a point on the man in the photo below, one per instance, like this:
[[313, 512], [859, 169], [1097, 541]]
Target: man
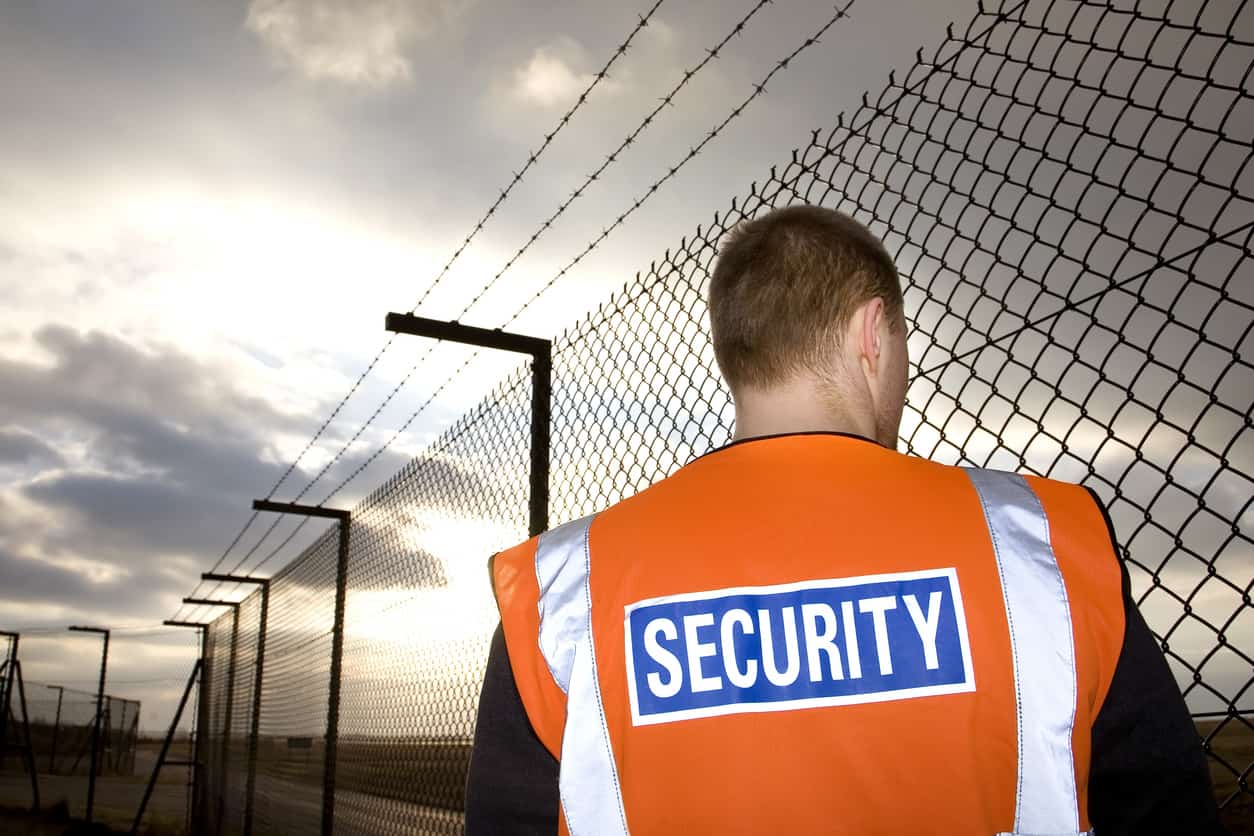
[[807, 632]]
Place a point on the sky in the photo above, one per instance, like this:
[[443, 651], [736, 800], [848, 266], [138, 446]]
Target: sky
[[207, 208]]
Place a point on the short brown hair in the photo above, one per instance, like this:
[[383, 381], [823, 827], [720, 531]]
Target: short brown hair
[[785, 286]]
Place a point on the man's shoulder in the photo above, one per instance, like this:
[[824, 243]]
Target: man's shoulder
[[1077, 496]]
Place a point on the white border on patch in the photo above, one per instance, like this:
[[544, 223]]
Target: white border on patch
[[967, 685]]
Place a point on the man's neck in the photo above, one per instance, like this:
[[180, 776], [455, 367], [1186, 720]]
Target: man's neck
[[797, 409]]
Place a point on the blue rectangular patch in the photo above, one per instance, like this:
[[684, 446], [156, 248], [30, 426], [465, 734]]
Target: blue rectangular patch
[[799, 645]]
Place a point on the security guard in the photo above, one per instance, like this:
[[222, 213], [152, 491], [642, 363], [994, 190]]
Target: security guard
[[807, 632]]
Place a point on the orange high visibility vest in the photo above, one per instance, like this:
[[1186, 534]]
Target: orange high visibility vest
[[813, 634]]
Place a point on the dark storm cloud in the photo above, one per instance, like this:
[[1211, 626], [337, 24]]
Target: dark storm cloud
[[174, 450], [100, 379], [126, 514], [33, 581], [170, 443], [18, 447]]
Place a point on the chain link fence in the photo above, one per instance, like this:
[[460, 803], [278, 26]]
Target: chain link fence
[[61, 721], [57, 723], [147, 665], [1066, 187]]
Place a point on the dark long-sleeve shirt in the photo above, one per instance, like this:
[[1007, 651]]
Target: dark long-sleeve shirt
[[1148, 773]]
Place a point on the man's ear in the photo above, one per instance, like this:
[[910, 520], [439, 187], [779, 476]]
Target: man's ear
[[869, 321]]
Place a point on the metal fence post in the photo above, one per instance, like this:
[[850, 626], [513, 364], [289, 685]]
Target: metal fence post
[[106, 736], [6, 685], [165, 746], [56, 729], [337, 643], [541, 352], [28, 748], [12, 676], [196, 742], [541, 401], [95, 729], [333, 698], [199, 756], [230, 684], [255, 728]]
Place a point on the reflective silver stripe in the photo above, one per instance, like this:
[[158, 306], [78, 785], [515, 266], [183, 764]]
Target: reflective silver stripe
[[1042, 649], [591, 797], [592, 800], [562, 574]]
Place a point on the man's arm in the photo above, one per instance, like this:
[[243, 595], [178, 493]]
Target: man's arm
[[512, 785], [1148, 773]]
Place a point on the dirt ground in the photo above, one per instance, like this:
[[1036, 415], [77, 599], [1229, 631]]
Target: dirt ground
[[1235, 744], [52, 822], [117, 798]]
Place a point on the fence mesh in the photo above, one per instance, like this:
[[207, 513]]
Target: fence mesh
[[1067, 191], [61, 721], [149, 666], [295, 692], [214, 698]]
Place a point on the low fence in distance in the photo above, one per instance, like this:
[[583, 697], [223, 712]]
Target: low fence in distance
[[61, 721]]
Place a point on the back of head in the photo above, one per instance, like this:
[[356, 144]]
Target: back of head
[[786, 285]]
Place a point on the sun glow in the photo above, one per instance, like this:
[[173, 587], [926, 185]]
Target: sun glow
[[420, 619]]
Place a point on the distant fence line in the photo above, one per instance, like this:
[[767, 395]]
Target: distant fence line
[[1067, 190], [61, 721]]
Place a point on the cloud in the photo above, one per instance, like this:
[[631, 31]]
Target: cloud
[[29, 581], [363, 42], [125, 461], [99, 378], [130, 465], [553, 75], [21, 448]]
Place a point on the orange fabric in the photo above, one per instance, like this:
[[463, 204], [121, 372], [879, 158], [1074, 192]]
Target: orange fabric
[[795, 508], [1098, 623], [517, 593]]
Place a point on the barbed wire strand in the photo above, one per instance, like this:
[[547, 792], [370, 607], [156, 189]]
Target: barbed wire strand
[[758, 90], [127, 630], [548, 139], [531, 160], [665, 101]]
